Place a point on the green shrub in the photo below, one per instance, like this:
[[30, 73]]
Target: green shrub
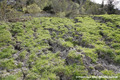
[[116, 45], [33, 8], [74, 55], [22, 55], [61, 14], [11, 77], [74, 70], [91, 53], [66, 43], [105, 51], [32, 76], [117, 59], [7, 52], [52, 76], [16, 28], [7, 64], [108, 72], [117, 51], [12, 13], [43, 3], [5, 37]]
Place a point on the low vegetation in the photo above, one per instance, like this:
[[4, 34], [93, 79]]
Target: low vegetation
[[52, 48]]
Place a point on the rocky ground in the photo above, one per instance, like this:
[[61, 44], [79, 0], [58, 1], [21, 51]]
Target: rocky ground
[[52, 48]]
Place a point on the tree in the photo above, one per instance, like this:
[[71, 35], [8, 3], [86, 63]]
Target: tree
[[3, 9], [7, 10], [43, 3], [30, 2], [110, 7], [102, 5], [79, 1], [102, 8]]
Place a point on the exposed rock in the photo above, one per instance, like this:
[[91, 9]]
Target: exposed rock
[[99, 67], [17, 20], [56, 47], [100, 19], [70, 61], [87, 61], [96, 73], [110, 66]]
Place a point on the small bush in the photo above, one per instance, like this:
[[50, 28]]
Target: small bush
[[108, 72], [6, 53], [31, 76], [12, 13], [117, 59], [23, 55], [105, 51], [116, 46], [117, 51], [61, 14], [33, 8], [7, 64], [5, 37], [10, 77]]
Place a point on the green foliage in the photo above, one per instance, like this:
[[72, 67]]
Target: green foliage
[[12, 13], [117, 51], [90, 53], [3, 9], [42, 3], [105, 51], [48, 64], [33, 8], [31, 76], [108, 72], [7, 52], [7, 64], [11, 77], [74, 55], [52, 47], [117, 59], [66, 43], [61, 14], [75, 70], [116, 45], [5, 35], [22, 55]]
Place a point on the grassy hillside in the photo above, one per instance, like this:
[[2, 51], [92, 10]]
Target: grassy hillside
[[52, 48]]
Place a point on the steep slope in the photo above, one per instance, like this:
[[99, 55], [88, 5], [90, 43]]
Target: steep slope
[[51, 48]]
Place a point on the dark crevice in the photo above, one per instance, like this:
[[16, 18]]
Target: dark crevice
[[18, 47], [49, 9], [24, 74]]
